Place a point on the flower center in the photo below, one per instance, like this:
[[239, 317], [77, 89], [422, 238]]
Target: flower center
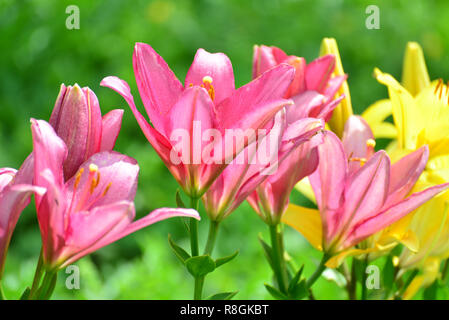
[[207, 84], [85, 201], [442, 91]]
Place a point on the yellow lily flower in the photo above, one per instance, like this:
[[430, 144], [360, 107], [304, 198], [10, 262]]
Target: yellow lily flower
[[420, 110]]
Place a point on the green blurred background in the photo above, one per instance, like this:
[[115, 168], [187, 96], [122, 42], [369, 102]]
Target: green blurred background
[[38, 53]]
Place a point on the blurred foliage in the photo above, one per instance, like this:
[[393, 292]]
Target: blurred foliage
[[38, 53]]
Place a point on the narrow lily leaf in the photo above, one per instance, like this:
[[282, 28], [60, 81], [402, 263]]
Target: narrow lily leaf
[[179, 252], [275, 293], [267, 250], [223, 296], [300, 290], [295, 279], [388, 275], [222, 261], [179, 201], [430, 293], [25, 294], [200, 265]]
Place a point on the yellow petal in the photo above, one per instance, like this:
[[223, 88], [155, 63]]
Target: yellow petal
[[344, 110], [306, 221], [407, 117], [414, 71], [338, 259], [305, 188], [375, 116], [413, 288], [430, 272]]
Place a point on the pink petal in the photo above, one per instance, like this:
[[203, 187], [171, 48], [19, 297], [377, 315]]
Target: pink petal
[[298, 84], [355, 136], [366, 191], [252, 105], [328, 181], [305, 104], [87, 229], [13, 199], [405, 173], [333, 85], [218, 67], [393, 214], [111, 125], [158, 85], [318, 73], [77, 121], [118, 175], [263, 60], [49, 152], [123, 231], [159, 142]]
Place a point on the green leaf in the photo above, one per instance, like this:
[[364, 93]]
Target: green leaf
[[275, 293], [295, 280], [25, 294], [267, 250], [300, 290], [430, 293], [179, 252], [179, 201], [199, 266], [222, 261], [388, 274], [223, 296]]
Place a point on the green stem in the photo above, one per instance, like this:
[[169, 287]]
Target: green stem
[[194, 228], [199, 281], [45, 291], [407, 283], [2, 294], [198, 293], [211, 237], [351, 286], [445, 271], [279, 266], [37, 275], [364, 288], [319, 270]]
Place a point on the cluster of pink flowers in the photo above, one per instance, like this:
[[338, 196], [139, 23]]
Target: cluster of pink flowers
[[84, 191]]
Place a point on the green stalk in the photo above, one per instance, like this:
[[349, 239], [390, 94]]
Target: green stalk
[[279, 266], [364, 277], [2, 294], [48, 285], [407, 283], [319, 270], [37, 275], [199, 281], [211, 237], [445, 271], [194, 228]]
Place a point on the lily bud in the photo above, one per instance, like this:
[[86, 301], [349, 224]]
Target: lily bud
[[344, 110], [77, 120], [414, 71]]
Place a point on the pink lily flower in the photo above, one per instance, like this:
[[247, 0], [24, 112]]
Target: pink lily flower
[[313, 88], [91, 209], [358, 192], [77, 120], [14, 197], [249, 169], [207, 103]]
